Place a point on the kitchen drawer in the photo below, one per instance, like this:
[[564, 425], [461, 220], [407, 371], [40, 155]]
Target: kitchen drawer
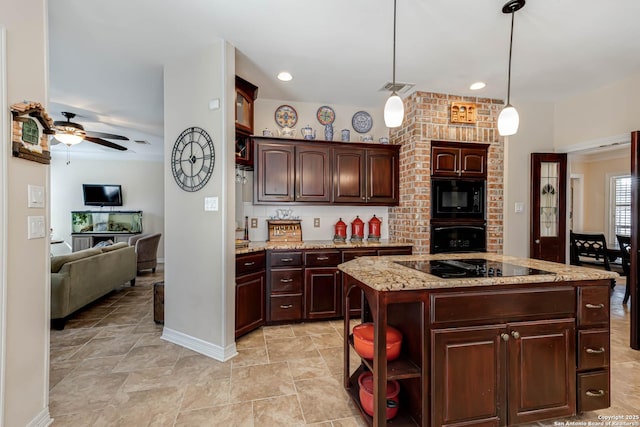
[[285, 259], [249, 263], [322, 258], [286, 307], [348, 254], [593, 305], [593, 349], [286, 281], [395, 251], [593, 391], [502, 306]]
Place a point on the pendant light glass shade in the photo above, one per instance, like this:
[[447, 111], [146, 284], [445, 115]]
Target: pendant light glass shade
[[393, 111], [508, 121]]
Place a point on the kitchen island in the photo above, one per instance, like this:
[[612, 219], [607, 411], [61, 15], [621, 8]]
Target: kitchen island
[[495, 340]]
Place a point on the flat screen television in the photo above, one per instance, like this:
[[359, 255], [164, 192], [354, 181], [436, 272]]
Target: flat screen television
[[102, 194]]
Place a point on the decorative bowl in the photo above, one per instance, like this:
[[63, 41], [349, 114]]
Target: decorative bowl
[[363, 341]]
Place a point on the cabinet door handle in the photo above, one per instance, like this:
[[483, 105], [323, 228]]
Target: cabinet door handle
[[595, 350], [515, 334], [285, 307], [594, 305], [595, 393], [322, 258], [363, 198], [247, 264], [286, 259], [286, 280], [505, 337]]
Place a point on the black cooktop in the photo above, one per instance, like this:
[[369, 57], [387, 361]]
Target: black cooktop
[[466, 268]]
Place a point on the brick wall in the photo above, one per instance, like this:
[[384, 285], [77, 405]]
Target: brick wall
[[427, 119]]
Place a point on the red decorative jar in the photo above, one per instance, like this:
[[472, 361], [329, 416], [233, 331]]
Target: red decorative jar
[[341, 231], [374, 229], [357, 230], [365, 381]]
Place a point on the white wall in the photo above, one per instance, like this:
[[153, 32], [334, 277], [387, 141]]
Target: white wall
[[535, 135], [27, 298], [199, 251], [142, 188]]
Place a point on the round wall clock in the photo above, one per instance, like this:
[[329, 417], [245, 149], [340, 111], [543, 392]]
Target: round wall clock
[[286, 116], [192, 159], [326, 115]]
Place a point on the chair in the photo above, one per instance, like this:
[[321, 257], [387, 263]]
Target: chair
[[625, 249], [590, 249], [146, 250]]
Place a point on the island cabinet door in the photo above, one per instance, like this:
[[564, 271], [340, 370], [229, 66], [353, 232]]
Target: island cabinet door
[[468, 369], [542, 370]]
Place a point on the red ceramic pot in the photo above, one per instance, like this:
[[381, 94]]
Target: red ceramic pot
[[374, 228], [341, 231], [365, 381], [357, 230], [363, 341]]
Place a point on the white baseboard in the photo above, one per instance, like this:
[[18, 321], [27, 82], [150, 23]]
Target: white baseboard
[[42, 420], [214, 351]]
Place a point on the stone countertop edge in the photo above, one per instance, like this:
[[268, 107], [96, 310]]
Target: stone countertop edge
[[383, 274], [317, 244]]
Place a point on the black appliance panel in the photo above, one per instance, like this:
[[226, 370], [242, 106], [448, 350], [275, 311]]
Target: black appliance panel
[[458, 238], [458, 198], [470, 268]]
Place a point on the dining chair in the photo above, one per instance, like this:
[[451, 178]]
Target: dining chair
[[590, 249], [625, 249]]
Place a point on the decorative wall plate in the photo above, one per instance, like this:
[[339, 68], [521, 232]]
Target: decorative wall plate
[[326, 115], [286, 116], [362, 122]]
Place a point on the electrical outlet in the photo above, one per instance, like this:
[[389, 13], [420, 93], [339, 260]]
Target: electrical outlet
[[316, 222], [254, 222]]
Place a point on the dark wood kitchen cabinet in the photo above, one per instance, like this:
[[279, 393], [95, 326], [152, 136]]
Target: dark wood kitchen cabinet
[[458, 160], [366, 175], [292, 173], [250, 292], [246, 94], [322, 284], [285, 284]]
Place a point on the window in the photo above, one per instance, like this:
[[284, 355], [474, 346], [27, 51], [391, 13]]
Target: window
[[620, 207]]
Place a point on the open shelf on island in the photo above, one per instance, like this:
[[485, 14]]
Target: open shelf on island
[[398, 369]]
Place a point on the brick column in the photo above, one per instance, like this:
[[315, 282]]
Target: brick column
[[427, 119]]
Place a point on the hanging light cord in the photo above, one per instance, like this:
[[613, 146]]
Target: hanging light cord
[[394, 48], [510, 49]]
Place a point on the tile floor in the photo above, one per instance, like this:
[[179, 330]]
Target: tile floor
[[109, 367]]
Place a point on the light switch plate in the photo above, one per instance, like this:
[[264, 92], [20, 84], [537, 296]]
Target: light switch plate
[[35, 227], [210, 203], [35, 195], [519, 207]]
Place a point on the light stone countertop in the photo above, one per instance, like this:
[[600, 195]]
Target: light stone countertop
[[318, 244], [383, 274]]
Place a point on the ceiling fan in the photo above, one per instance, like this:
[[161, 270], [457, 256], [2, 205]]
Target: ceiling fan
[[70, 133]]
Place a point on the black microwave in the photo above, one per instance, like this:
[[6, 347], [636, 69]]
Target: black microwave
[[457, 198]]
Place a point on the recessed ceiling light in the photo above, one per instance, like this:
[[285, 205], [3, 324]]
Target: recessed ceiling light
[[477, 85], [285, 76]]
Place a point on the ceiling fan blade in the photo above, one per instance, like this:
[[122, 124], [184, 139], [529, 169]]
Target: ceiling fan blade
[[105, 143], [106, 135]]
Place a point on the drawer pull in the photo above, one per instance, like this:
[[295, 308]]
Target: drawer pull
[[286, 259], [515, 334], [285, 307], [595, 350], [322, 258], [595, 393], [505, 337], [594, 305], [286, 280], [248, 264]]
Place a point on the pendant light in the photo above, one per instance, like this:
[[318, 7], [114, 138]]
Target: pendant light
[[394, 108], [508, 120]]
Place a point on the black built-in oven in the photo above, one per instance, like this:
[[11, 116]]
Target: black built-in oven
[[458, 238], [458, 198]]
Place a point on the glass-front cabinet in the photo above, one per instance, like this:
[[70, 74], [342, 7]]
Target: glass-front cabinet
[[91, 228]]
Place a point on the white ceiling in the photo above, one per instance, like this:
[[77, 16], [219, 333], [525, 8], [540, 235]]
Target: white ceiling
[[106, 56]]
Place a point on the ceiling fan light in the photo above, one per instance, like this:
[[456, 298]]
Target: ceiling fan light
[[69, 139], [393, 111], [508, 121]]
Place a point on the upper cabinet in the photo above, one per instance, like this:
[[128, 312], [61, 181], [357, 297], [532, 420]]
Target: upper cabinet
[[323, 173], [246, 94], [459, 160]]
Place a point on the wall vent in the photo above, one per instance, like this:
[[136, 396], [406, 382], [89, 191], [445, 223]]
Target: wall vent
[[399, 87], [142, 141]]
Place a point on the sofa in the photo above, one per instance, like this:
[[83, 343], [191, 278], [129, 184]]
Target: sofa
[[79, 278]]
